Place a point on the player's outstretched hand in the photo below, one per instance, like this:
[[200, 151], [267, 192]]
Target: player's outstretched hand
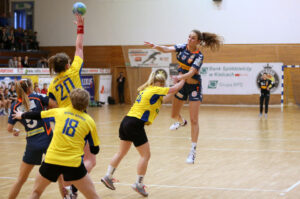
[[79, 20], [175, 79], [17, 115], [149, 44]]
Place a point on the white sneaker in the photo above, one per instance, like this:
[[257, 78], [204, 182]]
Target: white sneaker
[[260, 115], [191, 158], [176, 125], [266, 116], [67, 192], [140, 189]]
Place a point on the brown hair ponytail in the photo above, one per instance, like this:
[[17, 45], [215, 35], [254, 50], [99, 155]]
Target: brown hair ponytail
[[22, 89], [57, 63], [209, 40]]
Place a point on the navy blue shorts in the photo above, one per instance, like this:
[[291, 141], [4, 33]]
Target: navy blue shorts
[[33, 156], [193, 92]]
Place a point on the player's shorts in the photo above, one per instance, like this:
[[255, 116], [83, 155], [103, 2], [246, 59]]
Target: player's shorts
[[33, 156], [52, 172], [132, 129], [193, 92]]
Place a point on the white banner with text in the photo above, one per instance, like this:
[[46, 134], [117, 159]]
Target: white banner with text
[[238, 78]]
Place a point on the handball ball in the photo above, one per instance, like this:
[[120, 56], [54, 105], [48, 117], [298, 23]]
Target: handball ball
[[79, 8]]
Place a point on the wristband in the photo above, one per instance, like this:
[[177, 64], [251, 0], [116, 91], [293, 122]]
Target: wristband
[[80, 29]]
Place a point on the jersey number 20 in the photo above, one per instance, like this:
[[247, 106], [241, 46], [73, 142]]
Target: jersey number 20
[[64, 85]]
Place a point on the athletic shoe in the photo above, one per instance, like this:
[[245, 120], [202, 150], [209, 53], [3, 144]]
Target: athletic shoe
[[191, 158], [71, 196], [74, 196], [260, 115], [67, 192], [266, 116], [176, 125], [140, 189], [74, 192], [109, 183]]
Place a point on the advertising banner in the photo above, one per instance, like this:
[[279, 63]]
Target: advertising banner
[[148, 58], [105, 87], [238, 78], [88, 84], [45, 71]]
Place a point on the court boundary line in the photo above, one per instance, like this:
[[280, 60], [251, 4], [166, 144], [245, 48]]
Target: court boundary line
[[178, 186], [198, 149], [290, 188]]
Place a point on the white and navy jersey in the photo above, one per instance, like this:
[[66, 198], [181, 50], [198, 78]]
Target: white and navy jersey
[[38, 132], [187, 60]]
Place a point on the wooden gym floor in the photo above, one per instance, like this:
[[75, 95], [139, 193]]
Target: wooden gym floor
[[239, 156]]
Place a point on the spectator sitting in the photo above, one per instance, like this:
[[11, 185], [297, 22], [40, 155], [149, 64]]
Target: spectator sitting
[[35, 43], [19, 38], [5, 38], [42, 63], [44, 90], [13, 62], [7, 101], [12, 93], [1, 36], [36, 88], [25, 62], [2, 102], [11, 39], [20, 65], [26, 41]]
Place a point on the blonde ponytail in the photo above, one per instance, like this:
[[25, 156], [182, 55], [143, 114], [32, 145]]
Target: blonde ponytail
[[153, 78], [22, 89]]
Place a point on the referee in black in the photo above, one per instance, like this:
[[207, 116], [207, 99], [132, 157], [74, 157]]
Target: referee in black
[[265, 86]]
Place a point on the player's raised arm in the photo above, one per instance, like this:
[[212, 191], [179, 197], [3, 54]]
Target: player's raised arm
[[80, 31], [164, 49]]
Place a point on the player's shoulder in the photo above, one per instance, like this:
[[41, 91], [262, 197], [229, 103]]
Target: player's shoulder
[[88, 118], [16, 104], [181, 46]]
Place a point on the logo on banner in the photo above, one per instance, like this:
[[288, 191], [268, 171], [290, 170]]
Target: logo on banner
[[204, 70], [271, 74], [212, 84]]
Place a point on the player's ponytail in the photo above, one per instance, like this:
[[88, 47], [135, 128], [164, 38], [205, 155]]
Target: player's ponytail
[[209, 40], [57, 63], [22, 89], [153, 78]]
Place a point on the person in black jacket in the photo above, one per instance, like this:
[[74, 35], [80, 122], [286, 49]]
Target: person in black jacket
[[121, 82], [265, 86]]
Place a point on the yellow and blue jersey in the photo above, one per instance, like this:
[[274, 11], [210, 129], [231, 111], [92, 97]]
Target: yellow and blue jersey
[[38, 132], [147, 104], [187, 60], [62, 85], [72, 129]]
